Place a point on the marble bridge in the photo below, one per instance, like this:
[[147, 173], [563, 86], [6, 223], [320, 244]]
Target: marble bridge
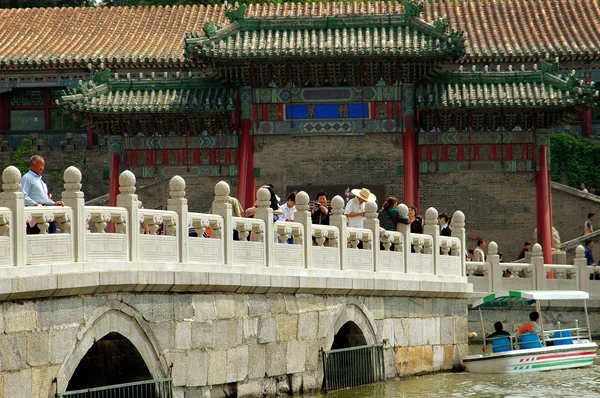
[[222, 317]]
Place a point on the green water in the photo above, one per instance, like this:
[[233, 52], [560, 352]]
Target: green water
[[559, 383]]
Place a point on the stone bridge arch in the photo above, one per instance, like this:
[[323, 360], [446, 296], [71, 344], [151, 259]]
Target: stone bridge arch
[[358, 314], [113, 317]]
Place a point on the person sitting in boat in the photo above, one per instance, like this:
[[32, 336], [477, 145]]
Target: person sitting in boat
[[533, 326], [500, 339]]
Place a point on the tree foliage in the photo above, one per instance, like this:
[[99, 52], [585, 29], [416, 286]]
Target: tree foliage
[[574, 160]]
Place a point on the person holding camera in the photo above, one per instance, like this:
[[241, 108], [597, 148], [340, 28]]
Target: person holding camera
[[320, 212]]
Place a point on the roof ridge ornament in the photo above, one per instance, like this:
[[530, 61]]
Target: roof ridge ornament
[[236, 14], [441, 24], [210, 29], [413, 8]]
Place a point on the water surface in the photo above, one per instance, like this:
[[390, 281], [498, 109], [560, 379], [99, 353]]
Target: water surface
[[558, 383]]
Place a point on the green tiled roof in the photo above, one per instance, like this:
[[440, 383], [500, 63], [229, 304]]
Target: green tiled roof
[[397, 35], [154, 95], [487, 89]]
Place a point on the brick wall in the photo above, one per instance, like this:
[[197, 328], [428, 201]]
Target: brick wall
[[321, 161], [498, 207]]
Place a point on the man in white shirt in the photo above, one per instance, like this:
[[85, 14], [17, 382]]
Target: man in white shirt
[[36, 190], [355, 209], [478, 253]]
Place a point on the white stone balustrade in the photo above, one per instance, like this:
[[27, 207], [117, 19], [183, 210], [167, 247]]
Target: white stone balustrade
[[536, 275], [125, 238]]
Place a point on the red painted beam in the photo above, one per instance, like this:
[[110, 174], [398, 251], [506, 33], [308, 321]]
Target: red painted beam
[[114, 179]]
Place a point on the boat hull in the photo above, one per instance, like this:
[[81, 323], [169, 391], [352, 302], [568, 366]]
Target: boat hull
[[534, 359]]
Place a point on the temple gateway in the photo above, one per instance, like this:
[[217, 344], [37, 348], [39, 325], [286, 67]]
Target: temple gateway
[[445, 104]]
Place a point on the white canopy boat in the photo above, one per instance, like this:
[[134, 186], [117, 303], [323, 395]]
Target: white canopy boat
[[551, 349]]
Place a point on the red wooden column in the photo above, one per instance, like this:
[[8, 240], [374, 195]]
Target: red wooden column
[[409, 147], [544, 220], [246, 151], [115, 161]]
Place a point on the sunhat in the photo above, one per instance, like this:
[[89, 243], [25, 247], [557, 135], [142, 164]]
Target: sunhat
[[364, 194]]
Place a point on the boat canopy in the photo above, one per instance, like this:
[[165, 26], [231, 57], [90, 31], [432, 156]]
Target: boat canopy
[[525, 298]]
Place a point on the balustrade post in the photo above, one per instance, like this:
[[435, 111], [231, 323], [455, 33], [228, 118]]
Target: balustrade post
[[338, 219], [222, 207], [406, 240], [458, 231], [496, 271], [582, 269], [303, 216], [178, 203], [12, 198], [432, 228], [264, 212], [129, 200], [537, 261], [372, 223], [74, 198]]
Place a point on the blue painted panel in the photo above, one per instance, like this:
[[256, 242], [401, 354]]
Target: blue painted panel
[[327, 111]]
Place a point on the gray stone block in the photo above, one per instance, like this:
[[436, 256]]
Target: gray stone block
[[287, 327], [1, 320], [179, 370], [18, 384], [13, 352], [249, 330], [251, 388], [308, 325], [202, 336], [38, 348], [276, 359], [182, 305], [376, 306], [415, 331], [258, 305], [183, 335], [267, 330], [61, 343], [389, 358], [312, 354], [431, 331], [19, 316], [165, 334], [217, 367], [237, 364], [42, 379], [447, 330], [197, 368], [241, 305], [461, 332], [401, 334], [225, 306], [277, 303], [227, 333], [310, 302], [257, 361], [395, 307], [291, 305], [296, 356], [163, 308], [326, 320], [438, 357], [204, 307]]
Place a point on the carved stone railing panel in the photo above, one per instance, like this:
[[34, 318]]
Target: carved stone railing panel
[[450, 259], [155, 247], [205, 249], [5, 242], [250, 249], [391, 260], [102, 245], [48, 248], [289, 255]]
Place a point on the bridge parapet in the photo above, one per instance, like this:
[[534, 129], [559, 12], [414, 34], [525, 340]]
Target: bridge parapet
[[334, 258], [494, 275]]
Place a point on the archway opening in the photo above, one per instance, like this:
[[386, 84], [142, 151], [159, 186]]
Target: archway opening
[[349, 335], [111, 360]]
